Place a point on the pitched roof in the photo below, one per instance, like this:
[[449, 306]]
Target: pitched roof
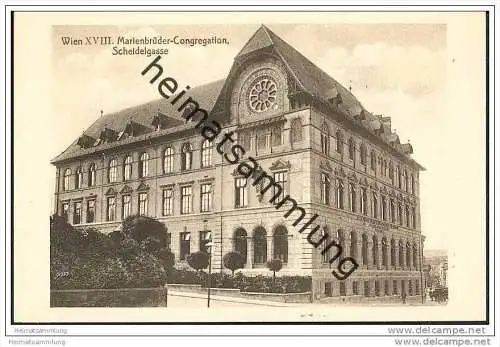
[[141, 117], [314, 80]]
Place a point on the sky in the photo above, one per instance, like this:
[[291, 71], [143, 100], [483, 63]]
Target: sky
[[397, 70]]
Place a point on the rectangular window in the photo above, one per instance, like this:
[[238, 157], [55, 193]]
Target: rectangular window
[[355, 288], [167, 202], [206, 197], [65, 211], [205, 238], [111, 209], [186, 199], [143, 204], [77, 213], [91, 211], [240, 190], [325, 189], [126, 206], [263, 141], [185, 245], [280, 179], [252, 143]]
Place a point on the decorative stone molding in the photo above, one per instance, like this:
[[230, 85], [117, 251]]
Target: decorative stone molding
[[280, 165], [110, 191], [325, 166], [142, 187], [340, 172], [352, 177], [126, 190]]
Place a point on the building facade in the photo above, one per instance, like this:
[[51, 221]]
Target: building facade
[[336, 159]]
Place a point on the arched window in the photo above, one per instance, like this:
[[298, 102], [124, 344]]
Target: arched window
[[325, 139], [143, 165], [375, 251], [364, 249], [408, 255], [325, 189], [391, 172], [340, 141], [127, 168], [400, 177], [352, 197], [413, 218], [280, 244], [373, 160], [393, 253], [401, 253], [412, 184], [352, 148], [277, 136], [67, 178], [92, 175], [341, 239], [168, 160], [326, 256], [407, 188], [415, 257], [374, 205], [78, 177], [339, 193], [393, 211], [383, 205], [364, 202], [240, 243], [385, 252], [363, 153], [206, 153], [354, 246], [400, 213], [186, 156], [296, 129], [112, 170], [259, 246], [407, 215]]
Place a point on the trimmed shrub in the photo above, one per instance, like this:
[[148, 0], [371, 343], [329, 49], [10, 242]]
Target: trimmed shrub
[[233, 261], [198, 260], [274, 265]]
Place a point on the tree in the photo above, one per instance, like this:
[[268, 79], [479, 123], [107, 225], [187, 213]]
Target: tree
[[167, 259], [233, 261], [274, 265], [151, 233], [198, 260]]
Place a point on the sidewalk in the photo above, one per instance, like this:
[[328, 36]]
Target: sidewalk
[[231, 299]]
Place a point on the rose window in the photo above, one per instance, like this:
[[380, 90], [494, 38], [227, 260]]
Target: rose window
[[263, 94]]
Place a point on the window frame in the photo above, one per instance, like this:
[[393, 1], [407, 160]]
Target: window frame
[[127, 168], [167, 201], [189, 202], [144, 165], [206, 153], [113, 170], [206, 196]]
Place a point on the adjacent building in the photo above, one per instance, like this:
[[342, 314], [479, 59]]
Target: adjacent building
[[335, 158]]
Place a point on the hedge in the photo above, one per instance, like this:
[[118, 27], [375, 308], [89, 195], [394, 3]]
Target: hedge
[[259, 284]]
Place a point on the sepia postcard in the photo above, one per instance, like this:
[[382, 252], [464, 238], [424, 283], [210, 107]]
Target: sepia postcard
[[250, 167]]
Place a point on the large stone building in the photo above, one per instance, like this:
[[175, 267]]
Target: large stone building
[[335, 158]]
